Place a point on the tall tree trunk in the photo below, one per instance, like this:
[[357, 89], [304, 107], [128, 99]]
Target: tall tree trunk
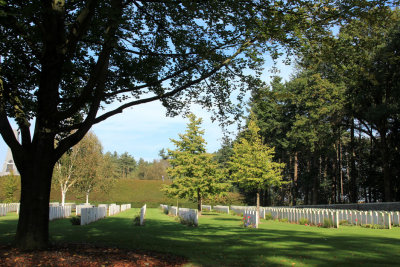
[[315, 183], [334, 181], [369, 194], [341, 171], [306, 193], [353, 173], [386, 170], [258, 208], [307, 186], [199, 200], [63, 194], [295, 178], [87, 197], [365, 193], [33, 224], [370, 168], [325, 178]]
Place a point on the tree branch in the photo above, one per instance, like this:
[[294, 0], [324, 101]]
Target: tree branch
[[74, 138], [175, 91], [80, 27], [7, 133]]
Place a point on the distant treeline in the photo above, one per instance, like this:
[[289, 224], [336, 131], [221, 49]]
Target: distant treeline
[[126, 166]]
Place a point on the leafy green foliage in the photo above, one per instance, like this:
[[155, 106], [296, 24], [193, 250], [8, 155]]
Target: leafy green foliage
[[75, 220], [269, 217], [136, 220], [303, 221], [10, 187], [252, 163], [194, 173], [92, 169], [328, 223], [335, 123]]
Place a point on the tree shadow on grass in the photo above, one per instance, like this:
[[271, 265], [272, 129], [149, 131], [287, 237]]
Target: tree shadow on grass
[[8, 227], [227, 219], [219, 241], [219, 245]]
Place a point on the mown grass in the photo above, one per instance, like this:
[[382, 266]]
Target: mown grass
[[136, 192], [220, 241]]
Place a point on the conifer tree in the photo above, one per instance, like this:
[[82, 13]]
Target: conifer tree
[[194, 172], [252, 164]]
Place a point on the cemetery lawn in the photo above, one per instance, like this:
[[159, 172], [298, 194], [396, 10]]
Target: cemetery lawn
[[220, 241]]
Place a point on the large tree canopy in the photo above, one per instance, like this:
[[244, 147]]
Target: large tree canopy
[[64, 60]]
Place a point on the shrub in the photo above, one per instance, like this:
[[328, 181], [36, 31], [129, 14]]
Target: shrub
[[284, 220], [303, 221], [268, 216], [75, 220], [374, 226], [136, 220], [343, 222], [328, 223]]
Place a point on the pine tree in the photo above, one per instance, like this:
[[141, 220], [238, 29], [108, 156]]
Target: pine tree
[[195, 173]]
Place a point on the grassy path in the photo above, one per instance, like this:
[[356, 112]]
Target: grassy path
[[220, 241]]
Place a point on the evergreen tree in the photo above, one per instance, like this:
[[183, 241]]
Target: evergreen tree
[[252, 163], [194, 172], [10, 187]]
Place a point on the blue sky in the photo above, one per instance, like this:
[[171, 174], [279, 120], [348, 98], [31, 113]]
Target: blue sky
[[144, 130]]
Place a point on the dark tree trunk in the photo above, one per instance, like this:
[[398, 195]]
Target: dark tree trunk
[[386, 176], [295, 178], [258, 208], [33, 224], [306, 193], [341, 199], [199, 200], [334, 183], [370, 194], [353, 172], [315, 186]]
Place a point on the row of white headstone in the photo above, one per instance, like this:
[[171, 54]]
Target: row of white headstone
[[125, 207], [223, 209], [317, 216], [114, 209], [78, 208], [206, 207], [353, 217], [59, 212], [189, 215], [8, 207], [92, 214]]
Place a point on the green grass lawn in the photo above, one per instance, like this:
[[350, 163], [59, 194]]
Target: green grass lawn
[[220, 241], [136, 192]]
